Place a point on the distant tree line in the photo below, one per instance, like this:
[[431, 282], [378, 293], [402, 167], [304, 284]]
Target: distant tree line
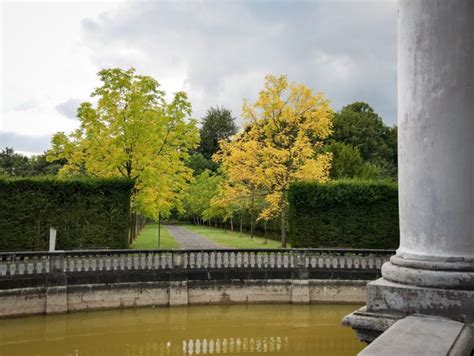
[[15, 164]]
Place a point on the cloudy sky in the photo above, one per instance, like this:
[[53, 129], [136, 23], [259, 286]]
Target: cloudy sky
[[217, 51]]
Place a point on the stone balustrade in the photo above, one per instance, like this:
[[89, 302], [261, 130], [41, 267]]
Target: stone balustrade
[[71, 262]]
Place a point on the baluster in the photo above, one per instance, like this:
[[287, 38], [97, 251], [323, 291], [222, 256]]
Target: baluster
[[95, 263], [85, 260], [144, 261], [150, 266], [327, 261], [238, 262], [200, 255], [100, 263], [356, 262], [185, 260], [225, 259], [230, 259], [343, 261], [210, 258], [159, 260]]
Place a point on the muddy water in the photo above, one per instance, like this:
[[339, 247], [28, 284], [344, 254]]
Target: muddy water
[[196, 330]]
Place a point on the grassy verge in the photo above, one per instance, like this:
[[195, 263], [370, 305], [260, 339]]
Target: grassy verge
[[148, 239], [232, 239]]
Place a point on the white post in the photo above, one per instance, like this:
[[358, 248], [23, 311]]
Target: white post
[[52, 239]]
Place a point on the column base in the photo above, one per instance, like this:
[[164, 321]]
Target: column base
[[388, 302], [432, 273]]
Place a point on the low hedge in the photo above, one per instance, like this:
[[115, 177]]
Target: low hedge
[[346, 214], [87, 213]]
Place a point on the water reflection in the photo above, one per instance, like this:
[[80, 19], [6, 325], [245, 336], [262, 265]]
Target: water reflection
[[198, 330]]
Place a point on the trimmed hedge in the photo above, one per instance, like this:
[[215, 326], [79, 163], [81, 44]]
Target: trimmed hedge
[[87, 213], [346, 214]]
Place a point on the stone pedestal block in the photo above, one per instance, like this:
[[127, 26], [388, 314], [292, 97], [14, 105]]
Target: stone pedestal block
[[300, 292], [56, 300], [178, 293], [383, 295]]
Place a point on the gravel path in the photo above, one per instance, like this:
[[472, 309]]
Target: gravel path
[[190, 240]]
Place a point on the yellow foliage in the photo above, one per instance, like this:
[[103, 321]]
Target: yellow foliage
[[280, 143]]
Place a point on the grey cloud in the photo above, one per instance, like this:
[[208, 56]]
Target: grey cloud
[[69, 108], [25, 143], [345, 49]]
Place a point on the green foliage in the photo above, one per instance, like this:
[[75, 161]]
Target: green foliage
[[217, 125], [359, 126], [88, 213], [348, 163], [199, 195], [347, 213], [14, 164], [199, 164]]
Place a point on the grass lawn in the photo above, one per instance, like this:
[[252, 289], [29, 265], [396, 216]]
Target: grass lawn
[[148, 239], [232, 239]]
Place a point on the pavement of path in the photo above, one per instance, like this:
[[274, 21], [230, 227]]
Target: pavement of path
[[190, 240]]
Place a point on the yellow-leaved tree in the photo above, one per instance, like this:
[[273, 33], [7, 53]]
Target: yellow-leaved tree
[[281, 143], [135, 133]]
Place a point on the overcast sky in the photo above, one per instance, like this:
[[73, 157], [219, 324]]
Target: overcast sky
[[217, 51]]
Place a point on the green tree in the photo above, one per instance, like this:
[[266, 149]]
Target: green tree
[[217, 125], [39, 165], [199, 196], [133, 132], [12, 163], [359, 126], [348, 163], [15, 164], [199, 164]]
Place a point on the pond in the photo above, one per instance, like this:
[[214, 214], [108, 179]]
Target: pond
[[274, 329]]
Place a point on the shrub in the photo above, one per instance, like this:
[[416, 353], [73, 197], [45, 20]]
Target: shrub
[[346, 213], [87, 213]]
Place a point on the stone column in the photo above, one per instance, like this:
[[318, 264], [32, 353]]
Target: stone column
[[433, 269], [436, 144]]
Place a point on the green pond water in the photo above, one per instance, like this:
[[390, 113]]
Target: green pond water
[[197, 330]]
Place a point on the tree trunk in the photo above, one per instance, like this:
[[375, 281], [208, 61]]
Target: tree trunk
[[133, 225], [215, 224], [137, 226], [241, 223], [231, 225], [265, 229], [251, 225], [283, 228]]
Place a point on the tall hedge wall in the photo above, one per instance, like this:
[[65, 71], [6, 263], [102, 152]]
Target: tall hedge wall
[[88, 213], [349, 214]]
